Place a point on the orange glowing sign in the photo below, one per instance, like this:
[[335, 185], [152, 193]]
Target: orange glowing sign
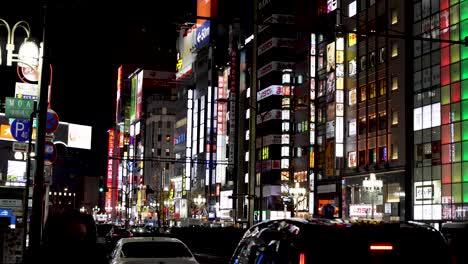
[[206, 8]]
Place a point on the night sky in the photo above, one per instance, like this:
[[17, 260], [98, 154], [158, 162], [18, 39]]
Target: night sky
[[87, 40]]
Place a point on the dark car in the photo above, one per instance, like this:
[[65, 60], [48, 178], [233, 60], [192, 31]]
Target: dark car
[[457, 238], [333, 242], [116, 233]]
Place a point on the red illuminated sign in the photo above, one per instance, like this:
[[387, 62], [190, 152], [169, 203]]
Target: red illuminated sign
[[110, 163]]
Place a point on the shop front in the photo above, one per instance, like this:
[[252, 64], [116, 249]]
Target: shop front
[[378, 196]]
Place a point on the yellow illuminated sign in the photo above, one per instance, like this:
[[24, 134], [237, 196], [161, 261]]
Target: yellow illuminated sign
[[352, 39], [179, 64]]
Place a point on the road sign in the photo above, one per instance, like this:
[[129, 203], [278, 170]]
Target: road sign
[[52, 121], [20, 147], [18, 108], [20, 129], [50, 153]]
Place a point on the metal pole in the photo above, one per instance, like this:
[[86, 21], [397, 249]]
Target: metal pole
[[38, 191], [28, 179]]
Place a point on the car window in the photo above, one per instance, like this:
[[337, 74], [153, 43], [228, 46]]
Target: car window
[[155, 249]]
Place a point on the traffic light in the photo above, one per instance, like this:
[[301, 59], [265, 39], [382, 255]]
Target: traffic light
[[103, 189]]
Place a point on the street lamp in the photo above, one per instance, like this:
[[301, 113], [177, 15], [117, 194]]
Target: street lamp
[[373, 186], [297, 192]]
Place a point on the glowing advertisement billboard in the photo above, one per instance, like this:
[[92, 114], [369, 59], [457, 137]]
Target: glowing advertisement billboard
[[186, 55], [110, 165]]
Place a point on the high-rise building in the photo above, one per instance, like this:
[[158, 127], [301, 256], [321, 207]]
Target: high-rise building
[[440, 115]]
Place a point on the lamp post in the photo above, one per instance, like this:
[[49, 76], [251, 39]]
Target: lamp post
[[33, 57], [373, 186], [296, 192]]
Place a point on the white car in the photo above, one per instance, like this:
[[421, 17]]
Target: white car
[[138, 250]]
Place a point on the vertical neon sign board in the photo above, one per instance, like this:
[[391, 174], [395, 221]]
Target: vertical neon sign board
[[110, 163]]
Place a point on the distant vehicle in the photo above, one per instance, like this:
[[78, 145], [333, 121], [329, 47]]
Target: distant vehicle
[[116, 233], [332, 242], [151, 250], [102, 231]]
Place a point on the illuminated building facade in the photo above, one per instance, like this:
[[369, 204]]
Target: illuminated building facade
[[440, 114]]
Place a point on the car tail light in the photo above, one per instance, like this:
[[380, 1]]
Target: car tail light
[[115, 235], [302, 258], [381, 247], [130, 234]]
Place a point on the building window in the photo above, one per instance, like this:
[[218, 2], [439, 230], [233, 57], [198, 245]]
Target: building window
[[362, 158], [394, 49], [247, 114], [382, 121], [257, 178], [372, 59], [159, 137], [372, 156], [167, 166], [159, 152], [352, 127], [382, 87], [394, 16], [352, 7], [394, 152], [362, 64], [382, 55], [372, 123], [352, 97], [246, 158], [372, 91], [382, 154], [160, 124], [362, 126], [168, 124], [168, 152], [362, 93], [394, 83], [394, 118]]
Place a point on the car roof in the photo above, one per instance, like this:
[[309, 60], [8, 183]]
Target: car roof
[[150, 239]]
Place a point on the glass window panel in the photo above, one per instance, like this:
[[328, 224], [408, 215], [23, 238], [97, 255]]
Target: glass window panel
[[444, 4], [446, 173], [456, 172], [464, 131], [463, 52], [454, 14], [455, 127], [456, 193], [465, 171], [465, 192], [463, 10], [454, 53], [465, 150], [445, 75], [445, 56], [463, 30], [464, 66], [464, 107], [455, 112], [452, 2], [464, 90], [445, 114], [446, 135], [456, 152], [455, 72], [455, 32], [445, 95], [455, 92], [446, 190], [446, 154]]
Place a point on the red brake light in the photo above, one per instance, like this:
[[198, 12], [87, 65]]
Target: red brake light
[[115, 235], [302, 258], [381, 247], [130, 234]]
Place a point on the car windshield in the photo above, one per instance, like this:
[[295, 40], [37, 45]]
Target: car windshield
[[155, 249]]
